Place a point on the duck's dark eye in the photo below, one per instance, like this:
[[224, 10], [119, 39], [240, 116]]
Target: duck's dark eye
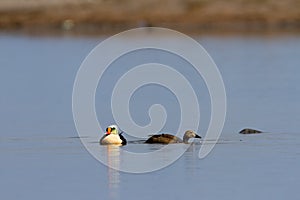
[[113, 129]]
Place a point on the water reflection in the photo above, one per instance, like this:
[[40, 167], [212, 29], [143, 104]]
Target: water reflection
[[192, 164], [113, 160]]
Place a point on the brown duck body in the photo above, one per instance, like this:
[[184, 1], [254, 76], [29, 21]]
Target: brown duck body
[[249, 131], [163, 139], [168, 138]]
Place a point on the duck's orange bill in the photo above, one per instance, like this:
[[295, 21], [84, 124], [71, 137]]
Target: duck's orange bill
[[108, 130]]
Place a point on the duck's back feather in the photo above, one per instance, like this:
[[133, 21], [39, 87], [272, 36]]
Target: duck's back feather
[[124, 141], [163, 139]]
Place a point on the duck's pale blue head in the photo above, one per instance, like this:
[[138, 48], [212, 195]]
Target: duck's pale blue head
[[112, 129]]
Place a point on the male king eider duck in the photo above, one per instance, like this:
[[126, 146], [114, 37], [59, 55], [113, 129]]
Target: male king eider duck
[[112, 136], [167, 138]]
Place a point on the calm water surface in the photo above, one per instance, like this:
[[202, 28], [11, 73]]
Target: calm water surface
[[41, 158]]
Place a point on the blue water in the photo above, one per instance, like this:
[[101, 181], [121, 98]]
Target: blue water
[[42, 158]]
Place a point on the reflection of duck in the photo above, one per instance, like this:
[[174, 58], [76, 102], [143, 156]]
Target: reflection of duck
[[113, 162], [167, 138], [112, 136]]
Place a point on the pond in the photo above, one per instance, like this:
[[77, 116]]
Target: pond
[[43, 158]]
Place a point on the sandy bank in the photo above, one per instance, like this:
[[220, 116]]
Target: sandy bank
[[91, 15]]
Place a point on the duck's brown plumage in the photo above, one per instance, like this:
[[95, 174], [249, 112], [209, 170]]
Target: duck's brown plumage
[[163, 139], [167, 138], [249, 131]]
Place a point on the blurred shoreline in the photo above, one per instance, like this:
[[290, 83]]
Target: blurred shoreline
[[110, 16]]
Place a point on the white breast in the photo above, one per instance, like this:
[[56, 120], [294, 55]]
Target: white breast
[[111, 139]]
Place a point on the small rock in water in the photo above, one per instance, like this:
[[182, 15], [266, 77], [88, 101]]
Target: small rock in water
[[249, 131]]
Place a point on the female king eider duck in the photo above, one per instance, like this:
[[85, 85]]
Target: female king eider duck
[[112, 136], [167, 138]]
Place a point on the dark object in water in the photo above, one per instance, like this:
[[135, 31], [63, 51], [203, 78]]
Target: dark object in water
[[249, 131], [167, 138]]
